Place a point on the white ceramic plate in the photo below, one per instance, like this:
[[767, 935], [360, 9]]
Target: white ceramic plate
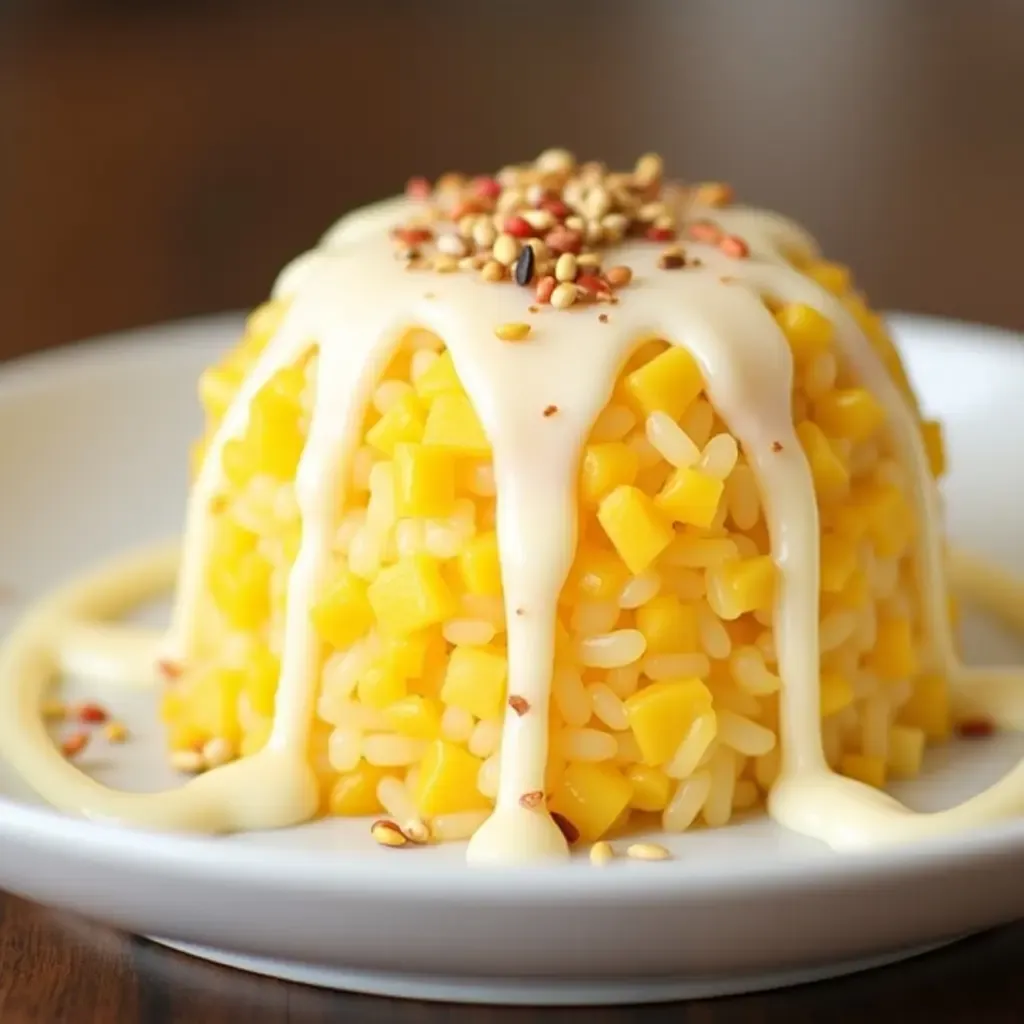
[[93, 444]]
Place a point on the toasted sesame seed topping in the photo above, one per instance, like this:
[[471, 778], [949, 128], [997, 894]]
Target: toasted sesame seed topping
[[601, 853], [74, 744], [387, 833], [532, 799], [672, 258], [602, 318], [550, 410], [520, 705], [513, 331], [647, 851], [116, 732], [553, 218], [564, 295]]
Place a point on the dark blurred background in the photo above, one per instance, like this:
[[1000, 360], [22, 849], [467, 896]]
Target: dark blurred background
[[161, 158]]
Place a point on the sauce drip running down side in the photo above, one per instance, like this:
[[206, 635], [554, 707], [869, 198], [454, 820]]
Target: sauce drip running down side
[[352, 301]]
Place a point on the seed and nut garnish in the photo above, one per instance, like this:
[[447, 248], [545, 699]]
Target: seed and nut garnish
[[74, 744], [387, 833], [520, 705], [550, 411], [601, 853], [647, 851], [549, 225], [512, 332]]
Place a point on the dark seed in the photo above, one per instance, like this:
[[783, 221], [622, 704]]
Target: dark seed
[[567, 828], [524, 266]]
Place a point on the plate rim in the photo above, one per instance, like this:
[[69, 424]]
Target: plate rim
[[215, 859]]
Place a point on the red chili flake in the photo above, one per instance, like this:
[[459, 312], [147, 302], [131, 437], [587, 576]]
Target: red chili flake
[[563, 239], [975, 728], [520, 705], [74, 744], [418, 188], [660, 234], [93, 714], [519, 227], [555, 207], [592, 284], [545, 286], [735, 247], [705, 231], [532, 800], [566, 827], [551, 410], [602, 318], [413, 236], [776, 446], [488, 188], [169, 669]]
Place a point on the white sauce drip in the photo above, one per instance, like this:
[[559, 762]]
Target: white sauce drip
[[353, 301]]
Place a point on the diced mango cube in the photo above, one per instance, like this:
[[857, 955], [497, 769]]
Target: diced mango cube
[[343, 614], [406, 655], [446, 782], [480, 565], [261, 674], [890, 521], [869, 770], [635, 525], [355, 793], [402, 422], [598, 574], [742, 585], [424, 480], [416, 716], [934, 446], [838, 562], [668, 625], [691, 496], [440, 377], [668, 383], [592, 796], [928, 707], [605, 467], [452, 423], [380, 685], [662, 713], [809, 334], [895, 654], [410, 595], [651, 787], [832, 276], [836, 693], [475, 681], [829, 472], [906, 751], [851, 413], [242, 591]]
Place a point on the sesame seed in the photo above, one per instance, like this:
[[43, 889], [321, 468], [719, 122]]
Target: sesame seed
[[513, 331], [533, 309], [416, 831], [532, 799], [588, 260], [618, 277], [91, 714], [601, 853], [74, 744], [520, 705], [54, 710], [564, 295], [387, 833], [602, 318], [565, 267], [116, 732], [550, 410], [524, 266], [647, 851]]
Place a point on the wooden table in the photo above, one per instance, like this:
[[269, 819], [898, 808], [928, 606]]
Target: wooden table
[[158, 159], [55, 969]]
